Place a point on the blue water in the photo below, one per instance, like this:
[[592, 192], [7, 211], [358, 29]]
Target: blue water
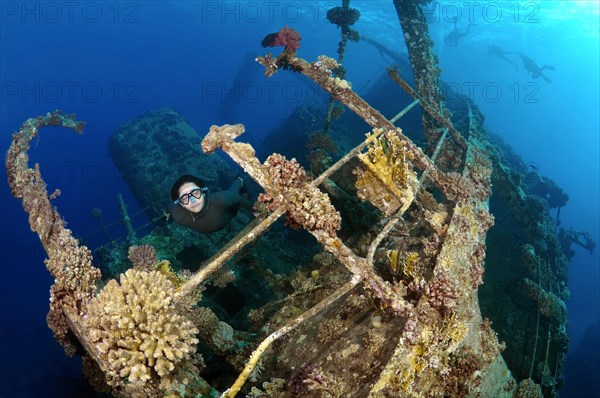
[[109, 62]]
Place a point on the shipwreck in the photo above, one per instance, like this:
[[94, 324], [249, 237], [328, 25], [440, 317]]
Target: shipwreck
[[396, 274]]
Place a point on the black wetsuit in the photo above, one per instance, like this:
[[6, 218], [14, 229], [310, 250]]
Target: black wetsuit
[[218, 210]]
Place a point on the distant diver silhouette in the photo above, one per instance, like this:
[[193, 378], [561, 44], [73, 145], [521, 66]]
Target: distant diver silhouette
[[496, 51], [452, 38], [532, 68], [383, 51]]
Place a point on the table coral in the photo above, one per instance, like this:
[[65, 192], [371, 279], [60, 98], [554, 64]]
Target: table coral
[[137, 330]]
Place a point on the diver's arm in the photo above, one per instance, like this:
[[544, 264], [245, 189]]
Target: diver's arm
[[232, 196], [225, 200], [229, 200]]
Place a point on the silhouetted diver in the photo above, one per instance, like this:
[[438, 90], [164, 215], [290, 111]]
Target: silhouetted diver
[[500, 53], [383, 50], [451, 38], [534, 69]]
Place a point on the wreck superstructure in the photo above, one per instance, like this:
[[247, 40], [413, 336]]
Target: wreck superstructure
[[393, 311]]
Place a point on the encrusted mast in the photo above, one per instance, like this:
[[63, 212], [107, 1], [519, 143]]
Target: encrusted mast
[[417, 329], [133, 339], [424, 62]]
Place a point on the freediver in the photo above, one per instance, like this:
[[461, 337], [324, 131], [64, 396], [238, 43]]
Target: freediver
[[452, 38], [533, 68], [194, 207], [496, 51]]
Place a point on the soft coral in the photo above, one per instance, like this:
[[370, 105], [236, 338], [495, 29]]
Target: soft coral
[[286, 37]]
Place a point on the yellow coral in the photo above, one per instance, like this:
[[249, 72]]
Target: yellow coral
[[435, 344], [456, 332], [388, 175], [341, 83], [410, 266], [389, 159], [405, 379], [392, 255], [164, 267], [135, 327]]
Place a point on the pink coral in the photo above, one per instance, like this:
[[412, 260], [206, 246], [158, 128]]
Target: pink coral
[[288, 38], [442, 294], [143, 257], [307, 206]]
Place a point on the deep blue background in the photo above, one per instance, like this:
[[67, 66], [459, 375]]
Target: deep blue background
[[111, 61]]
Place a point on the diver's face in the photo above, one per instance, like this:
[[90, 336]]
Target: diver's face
[[195, 204]]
